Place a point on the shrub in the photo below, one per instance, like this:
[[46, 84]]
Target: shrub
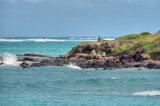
[[155, 52], [74, 49], [145, 33]]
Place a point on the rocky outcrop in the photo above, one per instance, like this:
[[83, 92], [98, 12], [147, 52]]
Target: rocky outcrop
[[133, 56], [153, 65], [132, 60], [100, 39], [25, 65]]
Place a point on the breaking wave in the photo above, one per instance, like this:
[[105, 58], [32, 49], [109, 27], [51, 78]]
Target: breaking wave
[[10, 59], [148, 93], [11, 40], [46, 40], [53, 40], [109, 38], [73, 66]]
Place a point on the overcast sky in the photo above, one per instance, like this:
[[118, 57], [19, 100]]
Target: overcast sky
[[77, 18]]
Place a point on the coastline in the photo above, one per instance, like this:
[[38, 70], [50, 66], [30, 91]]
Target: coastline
[[130, 51], [37, 60]]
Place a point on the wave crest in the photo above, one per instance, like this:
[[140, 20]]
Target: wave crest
[[148, 93], [46, 40], [11, 40]]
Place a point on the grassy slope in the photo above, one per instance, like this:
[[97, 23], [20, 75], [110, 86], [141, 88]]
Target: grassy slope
[[150, 43]]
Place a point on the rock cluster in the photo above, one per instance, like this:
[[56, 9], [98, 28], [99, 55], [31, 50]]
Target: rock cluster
[[125, 60]]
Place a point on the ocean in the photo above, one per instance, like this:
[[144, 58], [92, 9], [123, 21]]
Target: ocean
[[69, 85]]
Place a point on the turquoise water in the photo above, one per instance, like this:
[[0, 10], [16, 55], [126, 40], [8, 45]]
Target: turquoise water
[[67, 86]]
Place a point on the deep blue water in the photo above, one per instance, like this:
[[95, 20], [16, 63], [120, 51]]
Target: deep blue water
[[66, 86]]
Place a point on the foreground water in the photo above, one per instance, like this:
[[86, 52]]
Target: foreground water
[[69, 85]]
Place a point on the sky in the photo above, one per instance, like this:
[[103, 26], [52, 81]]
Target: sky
[[78, 18]]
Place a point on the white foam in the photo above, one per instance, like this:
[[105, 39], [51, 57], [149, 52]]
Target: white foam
[[51, 40], [114, 78], [82, 40], [71, 38], [11, 40], [10, 59], [148, 93], [46, 40], [89, 38], [109, 38], [73, 66]]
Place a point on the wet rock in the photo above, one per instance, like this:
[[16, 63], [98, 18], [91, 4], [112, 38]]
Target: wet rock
[[36, 65], [33, 54], [25, 65], [135, 65], [112, 65], [152, 65], [28, 59]]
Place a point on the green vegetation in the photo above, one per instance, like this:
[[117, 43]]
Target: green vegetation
[[74, 49], [145, 33], [85, 43], [155, 52], [106, 41], [150, 43], [130, 37], [96, 48]]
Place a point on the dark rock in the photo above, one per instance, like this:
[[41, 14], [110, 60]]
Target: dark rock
[[133, 56], [155, 56], [152, 65], [28, 59], [135, 65], [107, 47], [36, 65], [24, 65], [112, 65], [33, 54], [61, 56], [1, 63]]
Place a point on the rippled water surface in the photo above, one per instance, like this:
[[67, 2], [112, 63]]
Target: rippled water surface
[[51, 86]]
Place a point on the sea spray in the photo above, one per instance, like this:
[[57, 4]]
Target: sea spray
[[73, 66], [9, 59]]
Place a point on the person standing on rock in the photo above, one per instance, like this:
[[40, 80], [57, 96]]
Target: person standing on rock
[[103, 56]]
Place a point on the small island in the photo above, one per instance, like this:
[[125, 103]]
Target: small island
[[130, 51]]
